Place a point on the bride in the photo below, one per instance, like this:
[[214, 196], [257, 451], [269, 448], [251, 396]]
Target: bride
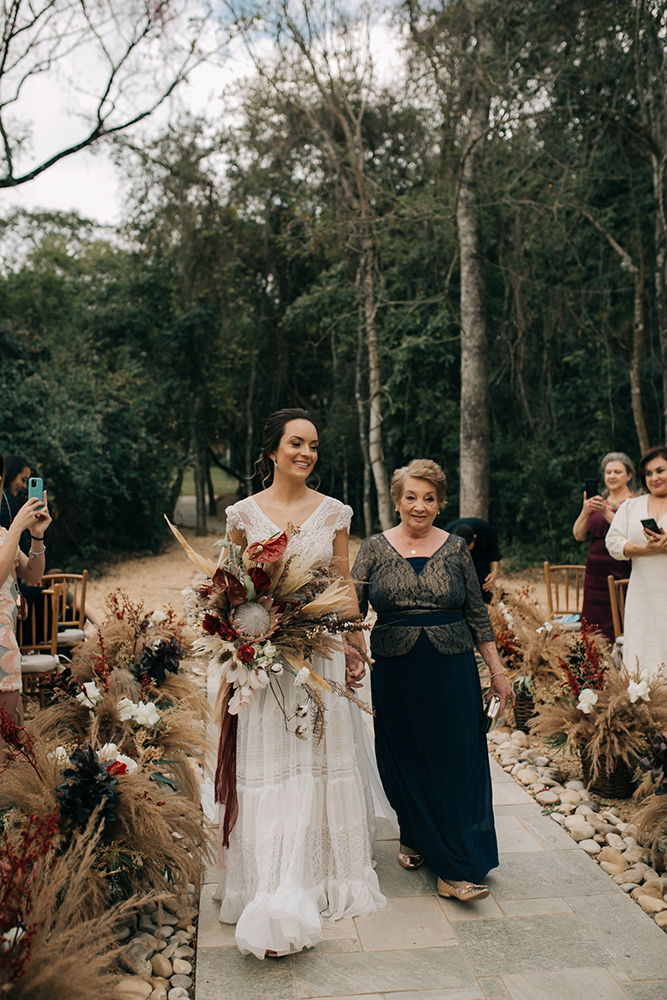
[[301, 845]]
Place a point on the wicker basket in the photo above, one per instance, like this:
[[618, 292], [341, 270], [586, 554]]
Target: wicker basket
[[524, 710], [615, 785]]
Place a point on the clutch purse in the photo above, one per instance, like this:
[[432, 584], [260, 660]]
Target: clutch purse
[[491, 714]]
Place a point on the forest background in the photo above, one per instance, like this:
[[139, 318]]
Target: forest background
[[463, 258]]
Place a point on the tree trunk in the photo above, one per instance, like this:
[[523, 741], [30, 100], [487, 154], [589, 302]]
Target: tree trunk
[[375, 449], [475, 437], [250, 426], [661, 278], [363, 433], [635, 370], [212, 504], [199, 467]]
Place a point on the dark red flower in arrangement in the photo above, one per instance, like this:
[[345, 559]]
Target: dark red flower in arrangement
[[204, 591], [211, 624], [269, 550], [583, 668], [117, 768], [260, 578], [246, 653], [224, 582], [227, 632]]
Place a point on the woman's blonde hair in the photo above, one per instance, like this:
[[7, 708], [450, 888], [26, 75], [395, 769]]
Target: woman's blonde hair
[[420, 468], [619, 456]]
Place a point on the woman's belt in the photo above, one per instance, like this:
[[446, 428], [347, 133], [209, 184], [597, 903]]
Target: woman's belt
[[417, 617]]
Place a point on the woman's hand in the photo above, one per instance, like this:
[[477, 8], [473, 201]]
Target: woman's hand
[[607, 512], [655, 544], [34, 517], [592, 503], [500, 686]]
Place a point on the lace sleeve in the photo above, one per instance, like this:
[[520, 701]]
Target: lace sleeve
[[344, 518], [236, 519], [474, 608], [361, 571]]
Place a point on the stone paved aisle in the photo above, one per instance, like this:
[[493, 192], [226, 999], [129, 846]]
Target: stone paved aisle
[[554, 928]]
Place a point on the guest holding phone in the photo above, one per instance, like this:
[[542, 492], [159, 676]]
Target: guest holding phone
[[594, 520], [34, 517], [633, 535]]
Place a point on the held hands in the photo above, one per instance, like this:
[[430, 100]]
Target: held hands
[[355, 665], [500, 686]]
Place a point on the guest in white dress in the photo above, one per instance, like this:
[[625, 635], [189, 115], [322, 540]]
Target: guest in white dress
[[301, 846], [645, 625]]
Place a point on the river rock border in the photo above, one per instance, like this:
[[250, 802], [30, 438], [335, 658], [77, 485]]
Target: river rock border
[[598, 831], [159, 951]]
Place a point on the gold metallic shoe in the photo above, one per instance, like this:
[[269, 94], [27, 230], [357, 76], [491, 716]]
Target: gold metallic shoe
[[463, 892], [409, 861]]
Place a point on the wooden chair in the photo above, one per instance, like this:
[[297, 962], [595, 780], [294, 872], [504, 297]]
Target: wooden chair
[[72, 612], [617, 590], [565, 589], [37, 637]]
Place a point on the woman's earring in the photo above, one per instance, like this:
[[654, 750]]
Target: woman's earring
[[275, 462]]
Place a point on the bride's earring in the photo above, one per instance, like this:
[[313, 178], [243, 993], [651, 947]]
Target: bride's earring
[[275, 462]]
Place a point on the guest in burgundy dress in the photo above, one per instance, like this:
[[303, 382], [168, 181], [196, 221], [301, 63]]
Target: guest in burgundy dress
[[594, 520]]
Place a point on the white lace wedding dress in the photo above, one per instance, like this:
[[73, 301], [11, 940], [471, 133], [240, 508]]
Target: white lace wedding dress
[[301, 846]]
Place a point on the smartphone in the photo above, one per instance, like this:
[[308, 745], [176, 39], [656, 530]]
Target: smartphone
[[591, 487], [651, 524], [491, 713], [36, 489]]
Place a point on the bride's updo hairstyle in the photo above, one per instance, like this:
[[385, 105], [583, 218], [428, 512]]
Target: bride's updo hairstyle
[[273, 433]]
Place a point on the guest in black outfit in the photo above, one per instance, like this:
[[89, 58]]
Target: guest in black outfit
[[482, 540], [431, 749]]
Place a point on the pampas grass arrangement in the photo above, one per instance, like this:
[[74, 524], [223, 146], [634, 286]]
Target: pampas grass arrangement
[[531, 646], [608, 726], [56, 944], [150, 838]]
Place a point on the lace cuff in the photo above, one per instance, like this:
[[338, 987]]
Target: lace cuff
[[344, 518]]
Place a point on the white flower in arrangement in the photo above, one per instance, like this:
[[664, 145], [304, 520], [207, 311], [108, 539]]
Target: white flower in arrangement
[[269, 651], [157, 617], [276, 668], [146, 714], [107, 752], [302, 677], [10, 938], [547, 627], [640, 688], [126, 709], [129, 763], [90, 695], [242, 697], [235, 672], [258, 679], [587, 699], [60, 755]]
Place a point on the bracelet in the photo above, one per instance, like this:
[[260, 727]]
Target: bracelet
[[40, 553], [38, 538], [498, 673]]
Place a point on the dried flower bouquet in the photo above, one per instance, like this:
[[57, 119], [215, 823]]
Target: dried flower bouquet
[[531, 647]]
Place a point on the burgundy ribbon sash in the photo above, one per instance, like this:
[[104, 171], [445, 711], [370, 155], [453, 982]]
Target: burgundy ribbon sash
[[225, 772]]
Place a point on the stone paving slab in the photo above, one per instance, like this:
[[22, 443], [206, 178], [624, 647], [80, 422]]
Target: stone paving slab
[[555, 927]]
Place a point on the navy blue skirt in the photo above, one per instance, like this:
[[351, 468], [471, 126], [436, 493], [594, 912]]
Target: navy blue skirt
[[433, 759]]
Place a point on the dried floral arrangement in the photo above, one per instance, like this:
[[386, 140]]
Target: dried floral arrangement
[[531, 647], [149, 835], [599, 711], [124, 693], [261, 614], [652, 819], [49, 948]]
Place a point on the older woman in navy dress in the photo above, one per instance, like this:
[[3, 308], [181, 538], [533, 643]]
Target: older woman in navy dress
[[429, 738]]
